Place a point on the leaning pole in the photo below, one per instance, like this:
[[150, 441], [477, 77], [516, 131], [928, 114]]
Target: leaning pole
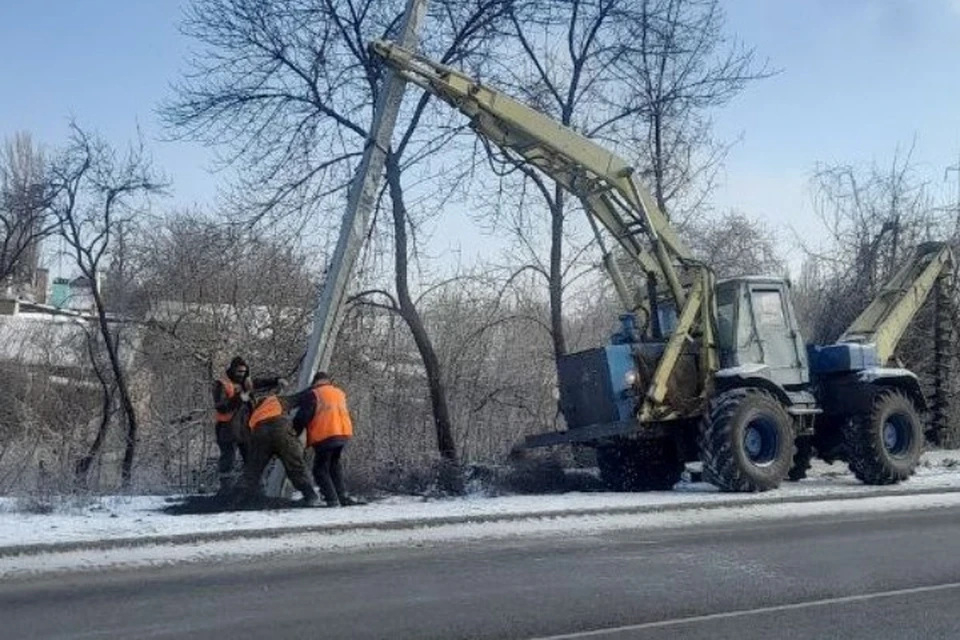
[[356, 221]]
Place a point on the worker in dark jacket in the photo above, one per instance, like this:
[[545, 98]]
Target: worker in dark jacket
[[233, 397], [322, 412], [272, 434]]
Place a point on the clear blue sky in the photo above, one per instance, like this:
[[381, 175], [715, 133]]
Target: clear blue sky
[[107, 63], [859, 77]]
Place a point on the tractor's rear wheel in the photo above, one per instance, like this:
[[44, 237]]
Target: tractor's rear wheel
[[746, 441], [884, 445], [649, 465]]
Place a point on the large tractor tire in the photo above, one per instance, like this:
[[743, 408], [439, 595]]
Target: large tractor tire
[[884, 445], [640, 465], [801, 460], [746, 441]]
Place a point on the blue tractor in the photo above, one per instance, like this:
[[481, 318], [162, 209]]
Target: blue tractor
[[699, 370]]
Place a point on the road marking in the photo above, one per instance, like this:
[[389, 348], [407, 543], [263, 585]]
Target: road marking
[[742, 613]]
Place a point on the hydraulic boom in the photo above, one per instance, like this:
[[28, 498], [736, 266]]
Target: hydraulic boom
[[600, 178], [885, 319]]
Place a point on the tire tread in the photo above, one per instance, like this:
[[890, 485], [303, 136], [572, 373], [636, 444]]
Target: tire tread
[[720, 466], [867, 459]]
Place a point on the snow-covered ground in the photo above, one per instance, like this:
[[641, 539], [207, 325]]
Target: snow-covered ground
[[156, 555], [404, 520], [112, 518]]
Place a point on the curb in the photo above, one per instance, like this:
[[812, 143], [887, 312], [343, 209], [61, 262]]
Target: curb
[[404, 524]]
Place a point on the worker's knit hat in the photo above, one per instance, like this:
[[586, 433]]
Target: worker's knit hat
[[235, 363]]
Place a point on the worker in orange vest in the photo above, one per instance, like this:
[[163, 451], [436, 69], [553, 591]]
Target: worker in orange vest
[[322, 412], [233, 402], [272, 434]]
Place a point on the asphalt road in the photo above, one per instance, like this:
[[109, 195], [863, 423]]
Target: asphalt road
[[884, 576]]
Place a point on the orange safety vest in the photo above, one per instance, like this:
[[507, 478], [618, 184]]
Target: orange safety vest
[[230, 390], [330, 419], [266, 410]]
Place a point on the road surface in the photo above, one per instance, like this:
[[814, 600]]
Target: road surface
[[875, 576]]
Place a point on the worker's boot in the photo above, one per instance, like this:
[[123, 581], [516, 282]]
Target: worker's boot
[[310, 498], [228, 482], [347, 501]]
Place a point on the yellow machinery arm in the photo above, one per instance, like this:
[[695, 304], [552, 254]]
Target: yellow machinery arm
[[602, 180], [885, 319]]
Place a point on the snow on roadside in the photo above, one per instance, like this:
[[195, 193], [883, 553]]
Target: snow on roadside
[[133, 517], [533, 527]]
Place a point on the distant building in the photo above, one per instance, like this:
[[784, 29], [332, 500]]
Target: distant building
[[60, 292], [75, 294]]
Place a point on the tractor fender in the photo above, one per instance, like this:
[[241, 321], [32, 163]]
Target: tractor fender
[[751, 375], [903, 379]]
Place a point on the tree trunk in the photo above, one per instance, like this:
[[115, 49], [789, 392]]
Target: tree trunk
[[83, 465], [113, 353], [410, 315], [556, 274]]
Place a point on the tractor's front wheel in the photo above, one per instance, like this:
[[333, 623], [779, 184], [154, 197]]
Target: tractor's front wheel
[[884, 445], [746, 441]]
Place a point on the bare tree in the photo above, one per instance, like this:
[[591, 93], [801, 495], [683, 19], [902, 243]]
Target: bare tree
[[874, 216], [97, 191], [24, 217], [680, 64], [878, 212], [289, 91], [564, 48], [108, 393], [735, 245], [219, 289]]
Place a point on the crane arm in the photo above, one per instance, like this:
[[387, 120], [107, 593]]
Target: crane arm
[[889, 314], [602, 180]]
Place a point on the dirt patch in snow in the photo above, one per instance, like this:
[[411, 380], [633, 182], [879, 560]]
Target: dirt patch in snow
[[201, 504]]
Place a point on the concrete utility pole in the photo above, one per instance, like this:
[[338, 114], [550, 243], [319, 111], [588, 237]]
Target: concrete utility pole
[[946, 176], [356, 221], [360, 200]]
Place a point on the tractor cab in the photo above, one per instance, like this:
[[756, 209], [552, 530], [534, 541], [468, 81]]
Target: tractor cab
[[757, 332]]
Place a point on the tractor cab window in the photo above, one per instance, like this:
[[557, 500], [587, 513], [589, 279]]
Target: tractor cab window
[[667, 314], [768, 308], [726, 321]]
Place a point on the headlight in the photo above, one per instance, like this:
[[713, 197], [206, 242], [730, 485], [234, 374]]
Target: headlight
[[631, 378]]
